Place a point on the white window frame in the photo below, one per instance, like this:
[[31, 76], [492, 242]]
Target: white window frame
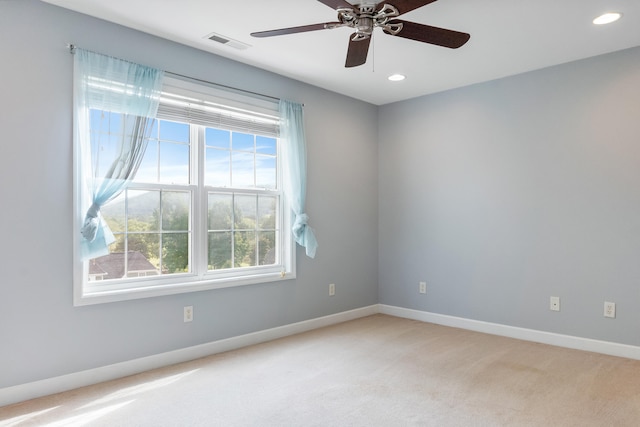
[[103, 291]]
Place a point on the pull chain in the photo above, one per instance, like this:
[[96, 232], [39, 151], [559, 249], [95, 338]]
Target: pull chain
[[373, 54]]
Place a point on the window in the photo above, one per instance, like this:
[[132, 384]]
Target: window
[[206, 207]]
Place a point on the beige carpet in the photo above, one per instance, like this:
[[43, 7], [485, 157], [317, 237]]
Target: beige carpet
[[375, 371]]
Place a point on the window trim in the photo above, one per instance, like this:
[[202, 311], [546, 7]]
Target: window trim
[[88, 293]]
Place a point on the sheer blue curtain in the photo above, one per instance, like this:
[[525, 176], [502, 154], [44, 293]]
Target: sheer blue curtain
[[294, 153], [131, 90]]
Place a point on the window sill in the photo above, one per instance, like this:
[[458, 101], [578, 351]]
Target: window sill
[[84, 297]]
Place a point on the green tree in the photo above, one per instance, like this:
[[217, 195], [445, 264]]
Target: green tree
[[138, 239], [174, 212], [223, 236], [175, 253], [220, 238]]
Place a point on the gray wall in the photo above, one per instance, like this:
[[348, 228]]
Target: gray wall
[[498, 195], [502, 194], [41, 334]]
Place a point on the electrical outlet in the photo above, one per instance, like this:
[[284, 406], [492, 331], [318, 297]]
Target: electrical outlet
[[188, 314], [554, 303], [423, 287], [332, 289], [609, 309]]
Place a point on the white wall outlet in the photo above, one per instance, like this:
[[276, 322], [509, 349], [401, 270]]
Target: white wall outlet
[[609, 309], [188, 314], [332, 289], [554, 303], [423, 287]]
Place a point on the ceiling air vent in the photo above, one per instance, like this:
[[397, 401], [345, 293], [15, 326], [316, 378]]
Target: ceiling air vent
[[219, 38]]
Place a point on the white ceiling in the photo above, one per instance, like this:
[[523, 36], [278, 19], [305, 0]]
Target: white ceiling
[[507, 37]]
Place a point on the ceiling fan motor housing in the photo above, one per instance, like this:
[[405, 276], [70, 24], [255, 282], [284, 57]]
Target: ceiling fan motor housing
[[365, 18]]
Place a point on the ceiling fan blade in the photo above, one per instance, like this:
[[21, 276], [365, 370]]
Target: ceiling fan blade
[[337, 4], [292, 30], [432, 35], [357, 52], [405, 6]]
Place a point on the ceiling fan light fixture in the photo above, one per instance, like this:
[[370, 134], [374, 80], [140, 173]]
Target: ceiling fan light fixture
[[396, 77], [607, 18]]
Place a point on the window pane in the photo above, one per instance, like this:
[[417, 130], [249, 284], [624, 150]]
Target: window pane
[[217, 138], [220, 250], [245, 208], [105, 121], [175, 210], [244, 248], [267, 248], [220, 212], [148, 170], [106, 139], [267, 212], [138, 265], [174, 163], [113, 212], [266, 171], [110, 266], [147, 244], [96, 121], [115, 266], [242, 141], [154, 129], [173, 131], [218, 165], [242, 170], [105, 148], [266, 145], [130, 126], [143, 208], [115, 122], [118, 246], [175, 253]]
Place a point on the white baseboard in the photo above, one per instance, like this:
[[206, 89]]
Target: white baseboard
[[567, 341], [22, 392]]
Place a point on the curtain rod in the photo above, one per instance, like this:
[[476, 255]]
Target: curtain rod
[[72, 50]]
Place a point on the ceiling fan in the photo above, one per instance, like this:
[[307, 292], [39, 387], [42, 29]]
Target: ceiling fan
[[366, 16]]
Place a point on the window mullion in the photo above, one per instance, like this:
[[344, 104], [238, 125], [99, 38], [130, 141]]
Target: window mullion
[[160, 235], [233, 230], [125, 247], [199, 231], [285, 244]]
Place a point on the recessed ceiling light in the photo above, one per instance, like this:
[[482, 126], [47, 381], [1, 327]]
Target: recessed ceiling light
[[607, 18], [396, 77]]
